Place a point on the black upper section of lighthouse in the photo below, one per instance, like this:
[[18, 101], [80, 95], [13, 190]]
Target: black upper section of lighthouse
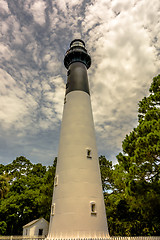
[[77, 53], [77, 61]]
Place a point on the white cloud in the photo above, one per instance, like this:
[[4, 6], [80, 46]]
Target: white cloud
[[65, 5], [37, 10], [12, 107], [58, 95], [123, 39], [5, 51], [118, 5], [20, 109], [125, 62], [4, 7]]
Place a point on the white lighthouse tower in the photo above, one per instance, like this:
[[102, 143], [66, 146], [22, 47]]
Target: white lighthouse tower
[[77, 210]]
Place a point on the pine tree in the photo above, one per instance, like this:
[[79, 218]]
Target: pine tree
[[140, 164]]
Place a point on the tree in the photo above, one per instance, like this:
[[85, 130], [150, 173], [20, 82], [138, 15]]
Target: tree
[[140, 166], [29, 195], [4, 186], [106, 173], [3, 227]]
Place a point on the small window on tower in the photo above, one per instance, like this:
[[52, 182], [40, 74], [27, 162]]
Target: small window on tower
[[53, 209], [93, 208], [89, 153], [56, 180], [65, 100]]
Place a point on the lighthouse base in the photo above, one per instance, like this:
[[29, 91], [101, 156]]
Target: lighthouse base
[[79, 236], [107, 238], [100, 238]]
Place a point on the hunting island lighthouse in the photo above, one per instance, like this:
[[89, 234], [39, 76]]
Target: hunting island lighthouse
[[77, 210]]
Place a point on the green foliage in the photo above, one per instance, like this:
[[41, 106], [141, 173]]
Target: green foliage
[[106, 173], [4, 186], [134, 205], [3, 226], [26, 194]]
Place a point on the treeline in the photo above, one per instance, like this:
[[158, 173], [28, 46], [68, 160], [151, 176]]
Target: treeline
[[25, 194], [131, 187]]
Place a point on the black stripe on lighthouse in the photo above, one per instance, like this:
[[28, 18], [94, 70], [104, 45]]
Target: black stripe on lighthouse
[[77, 78], [77, 61]]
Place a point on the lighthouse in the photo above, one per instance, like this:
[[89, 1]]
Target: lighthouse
[[78, 210]]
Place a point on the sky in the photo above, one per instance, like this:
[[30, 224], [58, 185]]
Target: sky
[[123, 39]]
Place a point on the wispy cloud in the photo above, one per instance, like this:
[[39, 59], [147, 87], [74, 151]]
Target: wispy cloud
[[125, 56], [123, 40]]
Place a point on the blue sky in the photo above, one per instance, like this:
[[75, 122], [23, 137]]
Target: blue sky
[[123, 39]]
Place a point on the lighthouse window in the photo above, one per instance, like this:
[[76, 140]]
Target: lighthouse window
[[53, 209], [89, 153], [93, 208], [56, 180]]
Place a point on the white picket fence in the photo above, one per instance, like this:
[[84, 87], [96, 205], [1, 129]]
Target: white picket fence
[[110, 238]]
